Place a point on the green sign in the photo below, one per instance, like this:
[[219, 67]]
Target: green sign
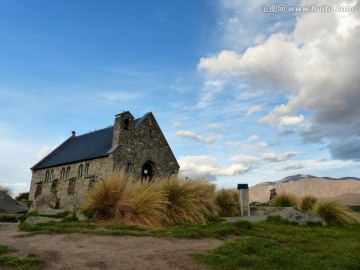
[[243, 186]]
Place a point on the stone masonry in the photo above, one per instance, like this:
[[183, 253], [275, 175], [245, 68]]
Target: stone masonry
[[135, 145]]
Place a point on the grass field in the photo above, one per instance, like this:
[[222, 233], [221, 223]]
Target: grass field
[[284, 246]]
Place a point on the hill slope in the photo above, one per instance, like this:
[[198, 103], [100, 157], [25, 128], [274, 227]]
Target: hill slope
[[346, 188]]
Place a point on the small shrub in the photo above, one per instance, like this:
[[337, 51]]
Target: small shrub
[[8, 218], [307, 203], [227, 202], [334, 212], [5, 190], [284, 200], [22, 196]]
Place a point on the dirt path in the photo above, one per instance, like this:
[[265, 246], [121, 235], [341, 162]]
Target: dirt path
[[81, 251]]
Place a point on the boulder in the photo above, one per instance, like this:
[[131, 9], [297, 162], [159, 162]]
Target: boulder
[[293, 215], [45, 201], [71, 202], [10, 206]]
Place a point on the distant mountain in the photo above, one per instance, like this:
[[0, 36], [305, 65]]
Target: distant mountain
[[345, 188]]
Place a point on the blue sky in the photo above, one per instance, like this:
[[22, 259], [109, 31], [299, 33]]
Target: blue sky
[[243, 96]]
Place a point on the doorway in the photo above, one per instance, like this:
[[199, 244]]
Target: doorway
[[148, 171]]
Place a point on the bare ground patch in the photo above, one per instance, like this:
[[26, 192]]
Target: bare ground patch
[[82, 251]]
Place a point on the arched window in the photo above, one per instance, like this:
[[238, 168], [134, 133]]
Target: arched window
[[80, 172], [86, 172], [62, 174], [52, 175], [47, 175], [67, 173]]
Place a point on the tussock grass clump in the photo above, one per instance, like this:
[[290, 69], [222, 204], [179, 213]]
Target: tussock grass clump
[[111, 198], [228, 202], [123, 198], [307, 203], [334, 212], [148, 204], [5, 190], [284, 200], [190, 201]]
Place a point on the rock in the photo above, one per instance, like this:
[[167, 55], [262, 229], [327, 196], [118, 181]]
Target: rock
[[71, 202], [80, 216], [10, 206], [266, 210], [36, 220], [293, 215], [45, 201], [51, 212]]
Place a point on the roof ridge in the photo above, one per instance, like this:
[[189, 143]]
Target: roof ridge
[[97, 130]]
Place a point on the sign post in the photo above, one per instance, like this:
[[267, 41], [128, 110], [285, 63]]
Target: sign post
[[244, 199]]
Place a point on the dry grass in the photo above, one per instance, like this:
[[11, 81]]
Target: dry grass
[[334, 212], [5, 190], [227, 201], [148, 204], [121, 198], [284, 200], [111, 198], [307, 203], [190, 201]]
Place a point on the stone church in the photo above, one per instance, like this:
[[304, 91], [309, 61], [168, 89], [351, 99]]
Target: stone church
[[134, 145]]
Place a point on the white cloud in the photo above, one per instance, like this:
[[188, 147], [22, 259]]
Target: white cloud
[[248, 147], [289, 166], [192, 136], [315, 66], [252, 138], [245, 159], [210, 89], [254, 109], [177, 124], [273, 157], [214, 126], [42, 152], [266, 157], [207, 167], [224, 62]]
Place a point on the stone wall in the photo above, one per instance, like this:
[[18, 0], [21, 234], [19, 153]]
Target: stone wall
[[142, 144], [73, 182]]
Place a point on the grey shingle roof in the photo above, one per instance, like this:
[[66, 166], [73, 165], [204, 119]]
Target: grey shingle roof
[[77, 148]]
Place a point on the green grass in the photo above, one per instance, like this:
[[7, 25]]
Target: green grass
[[15, 262], [211, 230], [272, 245]]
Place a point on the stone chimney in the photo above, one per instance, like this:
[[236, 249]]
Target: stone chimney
[[124, 124]]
